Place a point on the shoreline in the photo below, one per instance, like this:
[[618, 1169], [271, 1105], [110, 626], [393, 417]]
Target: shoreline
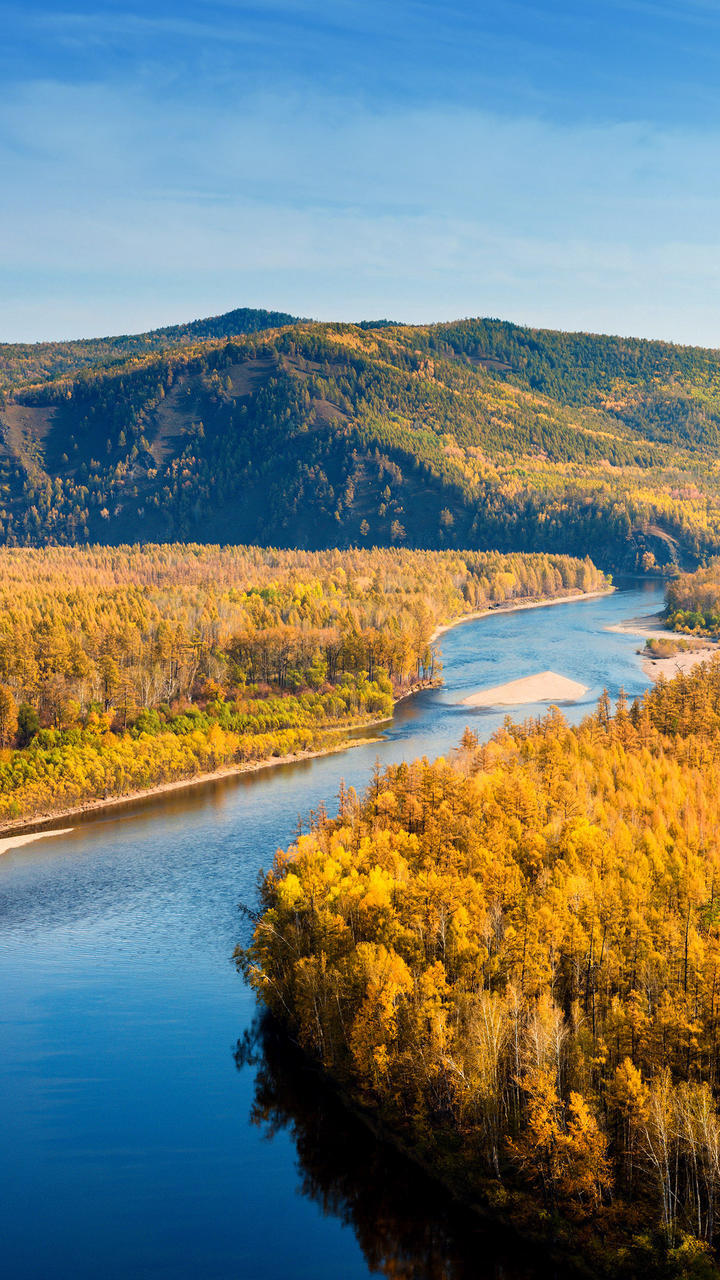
[[19, 831], [520, 1215], [650, 627], [517, 606], [15, 833]]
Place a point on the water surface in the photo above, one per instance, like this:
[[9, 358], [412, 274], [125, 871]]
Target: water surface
[[132, 1145]]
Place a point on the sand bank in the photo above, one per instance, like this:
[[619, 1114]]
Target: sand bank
[[14, 842], [545, 686], [669, 667], [651, 627]]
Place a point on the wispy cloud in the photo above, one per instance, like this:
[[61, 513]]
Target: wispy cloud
[[319, 206], [413, 160]]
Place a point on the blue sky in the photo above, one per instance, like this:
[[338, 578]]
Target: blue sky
[[554, 164]]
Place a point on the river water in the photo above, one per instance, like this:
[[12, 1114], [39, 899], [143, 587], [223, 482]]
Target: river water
[[143, 1133]]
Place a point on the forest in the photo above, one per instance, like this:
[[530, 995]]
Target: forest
[[476, 434], [692, 601], [510, 961], [125, 668]]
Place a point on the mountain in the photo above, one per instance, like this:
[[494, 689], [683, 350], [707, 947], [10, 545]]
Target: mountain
[[22, 363], [475, 434]]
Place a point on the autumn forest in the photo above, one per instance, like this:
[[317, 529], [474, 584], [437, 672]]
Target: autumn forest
[[122, 669], [512, 958]]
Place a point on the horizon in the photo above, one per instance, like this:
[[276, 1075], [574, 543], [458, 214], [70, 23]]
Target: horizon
[[364, 321]]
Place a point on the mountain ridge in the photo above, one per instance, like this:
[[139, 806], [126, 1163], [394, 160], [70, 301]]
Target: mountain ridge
[[49, 360], [476, 433]]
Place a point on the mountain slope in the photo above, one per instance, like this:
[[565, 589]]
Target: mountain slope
[[478, 434]]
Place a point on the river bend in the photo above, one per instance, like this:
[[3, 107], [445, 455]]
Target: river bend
[[135, 1128]]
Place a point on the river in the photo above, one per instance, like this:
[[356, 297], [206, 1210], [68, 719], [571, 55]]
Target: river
[[139, 1137]]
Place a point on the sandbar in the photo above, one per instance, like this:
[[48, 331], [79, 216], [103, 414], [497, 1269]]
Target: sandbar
[[14, 842], [545, 686], [650, 626]]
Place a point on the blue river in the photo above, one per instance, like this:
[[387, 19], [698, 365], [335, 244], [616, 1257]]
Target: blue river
[[144, 1132]]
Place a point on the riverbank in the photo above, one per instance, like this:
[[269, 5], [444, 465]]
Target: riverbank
[[517, 606], [589, 1247], [26, 827], [22, 830], [651, 627]]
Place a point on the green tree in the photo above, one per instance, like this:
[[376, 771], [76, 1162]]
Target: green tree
[[28, 724]]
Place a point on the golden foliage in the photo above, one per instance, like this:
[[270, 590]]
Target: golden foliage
[[521, 953]]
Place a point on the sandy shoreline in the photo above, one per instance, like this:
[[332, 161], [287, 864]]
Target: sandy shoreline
[[650, 627], [22, 830], [544, 686], [516, 607], [15, 842]]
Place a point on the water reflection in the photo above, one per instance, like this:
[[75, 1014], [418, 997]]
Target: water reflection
[[406, 1226]]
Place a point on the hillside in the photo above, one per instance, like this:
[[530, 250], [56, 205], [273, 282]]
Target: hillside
[[474, 434]]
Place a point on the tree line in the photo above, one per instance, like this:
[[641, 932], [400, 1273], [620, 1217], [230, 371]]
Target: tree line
[[692, 601]]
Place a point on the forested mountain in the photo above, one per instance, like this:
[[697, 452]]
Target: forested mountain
[[24, 362], [474, 434]]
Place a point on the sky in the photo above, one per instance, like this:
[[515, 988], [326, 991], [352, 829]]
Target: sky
[[555, 164]]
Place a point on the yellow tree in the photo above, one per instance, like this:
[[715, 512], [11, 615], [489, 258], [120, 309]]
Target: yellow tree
[[8, 716]]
